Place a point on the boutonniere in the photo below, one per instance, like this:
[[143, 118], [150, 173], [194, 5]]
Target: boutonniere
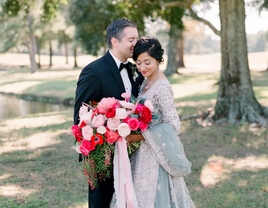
[[134, 72]]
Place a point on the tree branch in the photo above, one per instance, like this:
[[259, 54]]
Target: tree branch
[[206, 22], [188, 5]]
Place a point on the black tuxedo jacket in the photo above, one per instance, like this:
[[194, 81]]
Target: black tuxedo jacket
[[100, 79]]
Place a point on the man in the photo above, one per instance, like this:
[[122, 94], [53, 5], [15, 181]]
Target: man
[[105, 78]]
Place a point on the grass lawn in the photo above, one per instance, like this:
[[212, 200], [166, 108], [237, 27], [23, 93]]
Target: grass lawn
[[39, 168]]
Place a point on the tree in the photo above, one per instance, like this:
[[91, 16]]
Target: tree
[[92, 17], [174, 17], [11, 8], [236, 100]]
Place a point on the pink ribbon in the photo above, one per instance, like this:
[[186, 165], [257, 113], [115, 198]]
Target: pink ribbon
[[125, 194]]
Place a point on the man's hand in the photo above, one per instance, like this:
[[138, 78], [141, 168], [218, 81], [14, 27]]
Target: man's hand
[[134, 138]]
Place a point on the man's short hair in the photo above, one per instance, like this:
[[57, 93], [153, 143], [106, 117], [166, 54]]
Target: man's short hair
[[115, 29]]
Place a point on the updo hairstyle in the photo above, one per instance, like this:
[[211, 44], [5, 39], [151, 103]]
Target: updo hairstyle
[[151, 45]]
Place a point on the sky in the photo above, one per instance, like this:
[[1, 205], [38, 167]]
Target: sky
[[255, 22]]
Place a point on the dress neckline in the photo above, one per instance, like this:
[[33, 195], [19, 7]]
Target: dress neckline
[[144, 84]]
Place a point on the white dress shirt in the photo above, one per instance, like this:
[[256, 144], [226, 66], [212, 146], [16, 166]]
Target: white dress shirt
[[124, 75]]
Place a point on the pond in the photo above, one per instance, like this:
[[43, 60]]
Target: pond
[[11, 106]]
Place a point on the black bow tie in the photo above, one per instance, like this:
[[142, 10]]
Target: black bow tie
[[122, 66]]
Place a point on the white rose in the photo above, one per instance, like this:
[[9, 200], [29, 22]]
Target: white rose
[[77, 148], [101, 130], [149, 105], [121, 113], [124, 130]]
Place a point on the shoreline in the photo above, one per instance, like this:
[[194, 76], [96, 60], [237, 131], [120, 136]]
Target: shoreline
[[47, 99]]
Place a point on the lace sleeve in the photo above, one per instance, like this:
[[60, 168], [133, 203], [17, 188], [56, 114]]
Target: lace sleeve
[[164, 99]]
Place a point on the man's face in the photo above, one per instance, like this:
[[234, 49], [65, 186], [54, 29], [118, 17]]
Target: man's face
[[125, 47]]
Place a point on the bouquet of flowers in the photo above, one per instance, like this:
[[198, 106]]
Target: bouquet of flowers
[[101, 125]]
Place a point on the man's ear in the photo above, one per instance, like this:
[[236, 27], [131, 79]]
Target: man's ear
[[114, 42]]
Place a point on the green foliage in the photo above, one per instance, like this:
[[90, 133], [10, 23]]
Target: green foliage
[[92, 17]]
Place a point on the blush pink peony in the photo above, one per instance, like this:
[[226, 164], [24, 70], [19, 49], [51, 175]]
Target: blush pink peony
[[87, 132], [113, 123], [99, 120], [106, 103], [121, 113]]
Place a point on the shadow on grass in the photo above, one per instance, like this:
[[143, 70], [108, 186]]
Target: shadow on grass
[[244, 188], [48, 176], [231, 142]]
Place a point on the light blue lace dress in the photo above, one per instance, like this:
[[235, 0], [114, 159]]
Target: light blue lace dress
[[158, 166]]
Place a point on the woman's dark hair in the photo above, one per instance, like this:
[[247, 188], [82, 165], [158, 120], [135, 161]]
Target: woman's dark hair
[[151, 45], [115, 29]]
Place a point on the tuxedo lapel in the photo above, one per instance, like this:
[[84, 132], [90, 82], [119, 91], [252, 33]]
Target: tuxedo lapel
[[114, 70]]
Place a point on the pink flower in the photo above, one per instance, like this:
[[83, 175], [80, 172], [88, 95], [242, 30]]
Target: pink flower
[[99, 120], [86, 117], [124, 130], [133, 124], [83, 109], [143, 126], [86, 146], [121, 113], [149, 105], [126, 104], [87, 132], [125, 95], [113, 123], [139, 107], [106, 103], [111, 136]]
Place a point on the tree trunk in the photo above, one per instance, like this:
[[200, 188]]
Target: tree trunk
[[38, 53], [66, 48], [180, 49], [75, 57], [236, 99], [50, 53], [172, 51], [32, 46]]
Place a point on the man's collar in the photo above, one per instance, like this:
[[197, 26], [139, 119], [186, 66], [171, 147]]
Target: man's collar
[[117, 61]]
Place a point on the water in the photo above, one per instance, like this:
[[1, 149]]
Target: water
[[11, 106]]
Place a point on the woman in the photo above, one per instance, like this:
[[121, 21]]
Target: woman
[[160, 163]]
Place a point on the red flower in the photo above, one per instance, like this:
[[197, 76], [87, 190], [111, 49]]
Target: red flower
[[86, 146], [110, 113], [126, 119], [146, 115], [133, 123], [77, 133], [96, 139], [143, 126], [94, 113], [111, 136]]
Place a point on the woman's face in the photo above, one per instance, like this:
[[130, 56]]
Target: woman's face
[[147, 65]]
